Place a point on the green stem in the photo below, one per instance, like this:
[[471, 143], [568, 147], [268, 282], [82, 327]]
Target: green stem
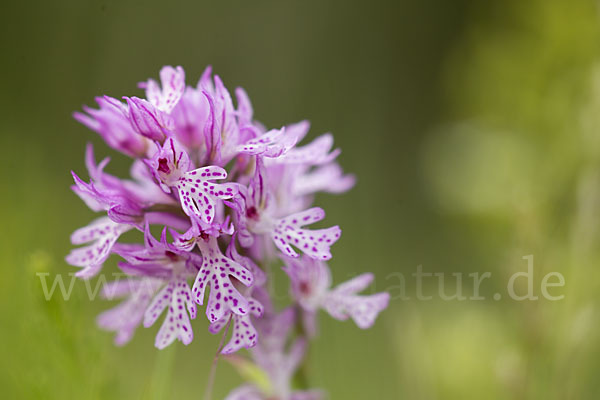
[[213, 368], [300, 379]]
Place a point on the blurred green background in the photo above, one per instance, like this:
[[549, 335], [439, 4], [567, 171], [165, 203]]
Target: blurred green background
[[473, 128]]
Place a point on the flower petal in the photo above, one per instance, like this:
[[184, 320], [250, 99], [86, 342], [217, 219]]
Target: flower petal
[[314, 243], [316, 152], [199, 196], [216, 270], [125, 317], [173, 86], [327, 178], [104, 233], [362, 309], [148, 120], [176, 295], [245, 392]]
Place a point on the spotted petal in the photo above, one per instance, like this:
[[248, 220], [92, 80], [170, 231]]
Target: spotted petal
[[314, 243], [199, 195], [125, 317], [103, 233], [316, 152], [342, 302], [216, 270], [272, 144], [173, 86], [327, 178], [244, 334], [176, 295]]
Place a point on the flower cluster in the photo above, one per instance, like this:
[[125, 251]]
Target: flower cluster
[[228, 197]]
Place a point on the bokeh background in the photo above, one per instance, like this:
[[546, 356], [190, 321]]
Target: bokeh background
[[473, 128]]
